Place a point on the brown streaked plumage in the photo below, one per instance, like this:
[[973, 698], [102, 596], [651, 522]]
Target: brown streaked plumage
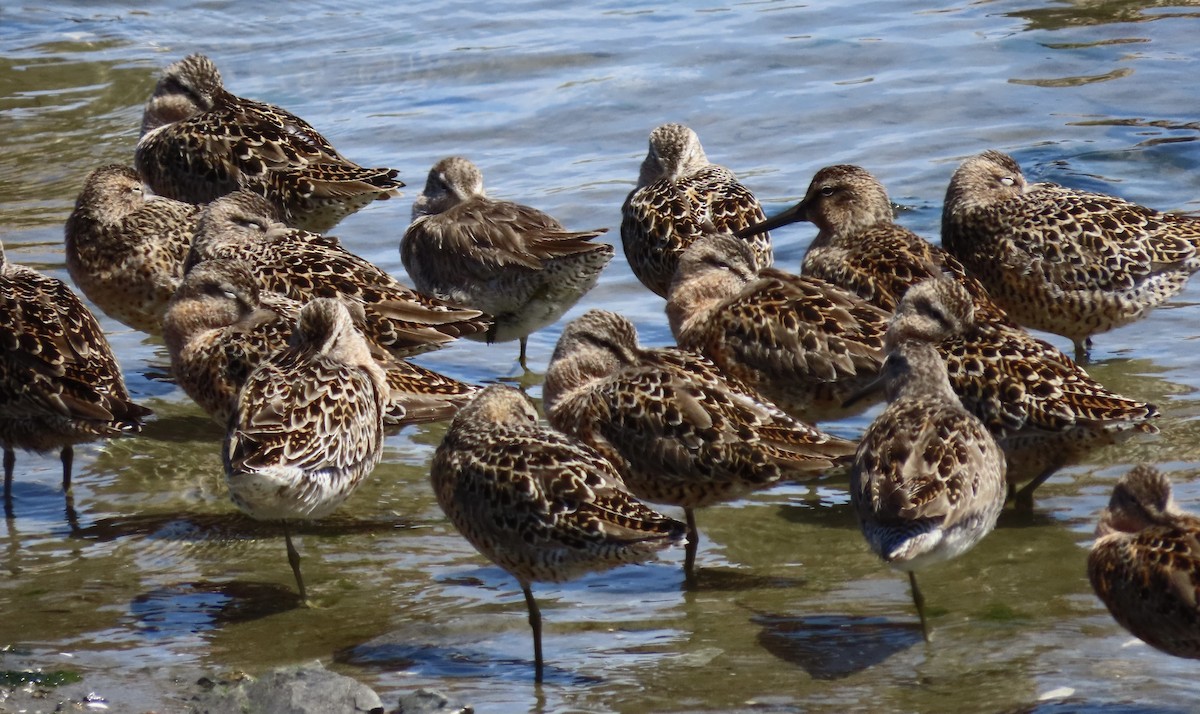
[[1042, 407], [679, 193], [303, 265], [125, 248], [513, 262], [200, 142], [308, 425], [804, 343], [1145, 563], [541, 505], [860, 247], [928, 477], [220, 326], [677, 429], [1065, 261], [60, 384]]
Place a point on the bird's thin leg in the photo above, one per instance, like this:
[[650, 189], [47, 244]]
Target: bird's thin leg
[[68, 459], [10, 460], [71, 514], [1083, 350], [1024, 498], [693, 544], [294, 561], [535, 623], [919, 601]]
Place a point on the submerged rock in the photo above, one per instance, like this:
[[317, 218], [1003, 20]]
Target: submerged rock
[[304, 689], [427, 701]]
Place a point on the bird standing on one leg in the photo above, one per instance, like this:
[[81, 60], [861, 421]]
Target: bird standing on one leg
[[513, 262], [678, 430], [308, 426], [928, 478], [541, 505], [1065, 261]]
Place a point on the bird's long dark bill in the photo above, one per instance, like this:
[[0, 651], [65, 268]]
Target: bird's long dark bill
[[791, 215]]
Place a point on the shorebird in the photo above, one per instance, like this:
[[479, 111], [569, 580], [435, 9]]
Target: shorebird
[[859, 245], [125, 248], [928, 479], [679, 194], [513, 262], [200, 142], [802, 342], [1061, 260], [541, 505], [1042, 407], [60, 384], [308, 426], [1145, 563], [220, 326], [304, 265], [677, 429]]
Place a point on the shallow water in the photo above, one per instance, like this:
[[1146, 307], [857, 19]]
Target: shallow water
[[154, 576]]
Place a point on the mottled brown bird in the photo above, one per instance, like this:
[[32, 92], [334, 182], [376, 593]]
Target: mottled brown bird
[[200, 142], [60, 384], [541, 505], [678, 430], [679, 195], [304, 265], [513, 262], [802, 342], [1145, 563], [220, 326], [125, 247], [1065, 261], [308, 425], [928, 478]]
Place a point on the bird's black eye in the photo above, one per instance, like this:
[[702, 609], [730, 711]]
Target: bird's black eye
[[219, 290], [173, 86], [827, 190], [934, 311]]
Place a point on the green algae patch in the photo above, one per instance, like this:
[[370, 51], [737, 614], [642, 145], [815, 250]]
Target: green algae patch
[[999, 612]]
